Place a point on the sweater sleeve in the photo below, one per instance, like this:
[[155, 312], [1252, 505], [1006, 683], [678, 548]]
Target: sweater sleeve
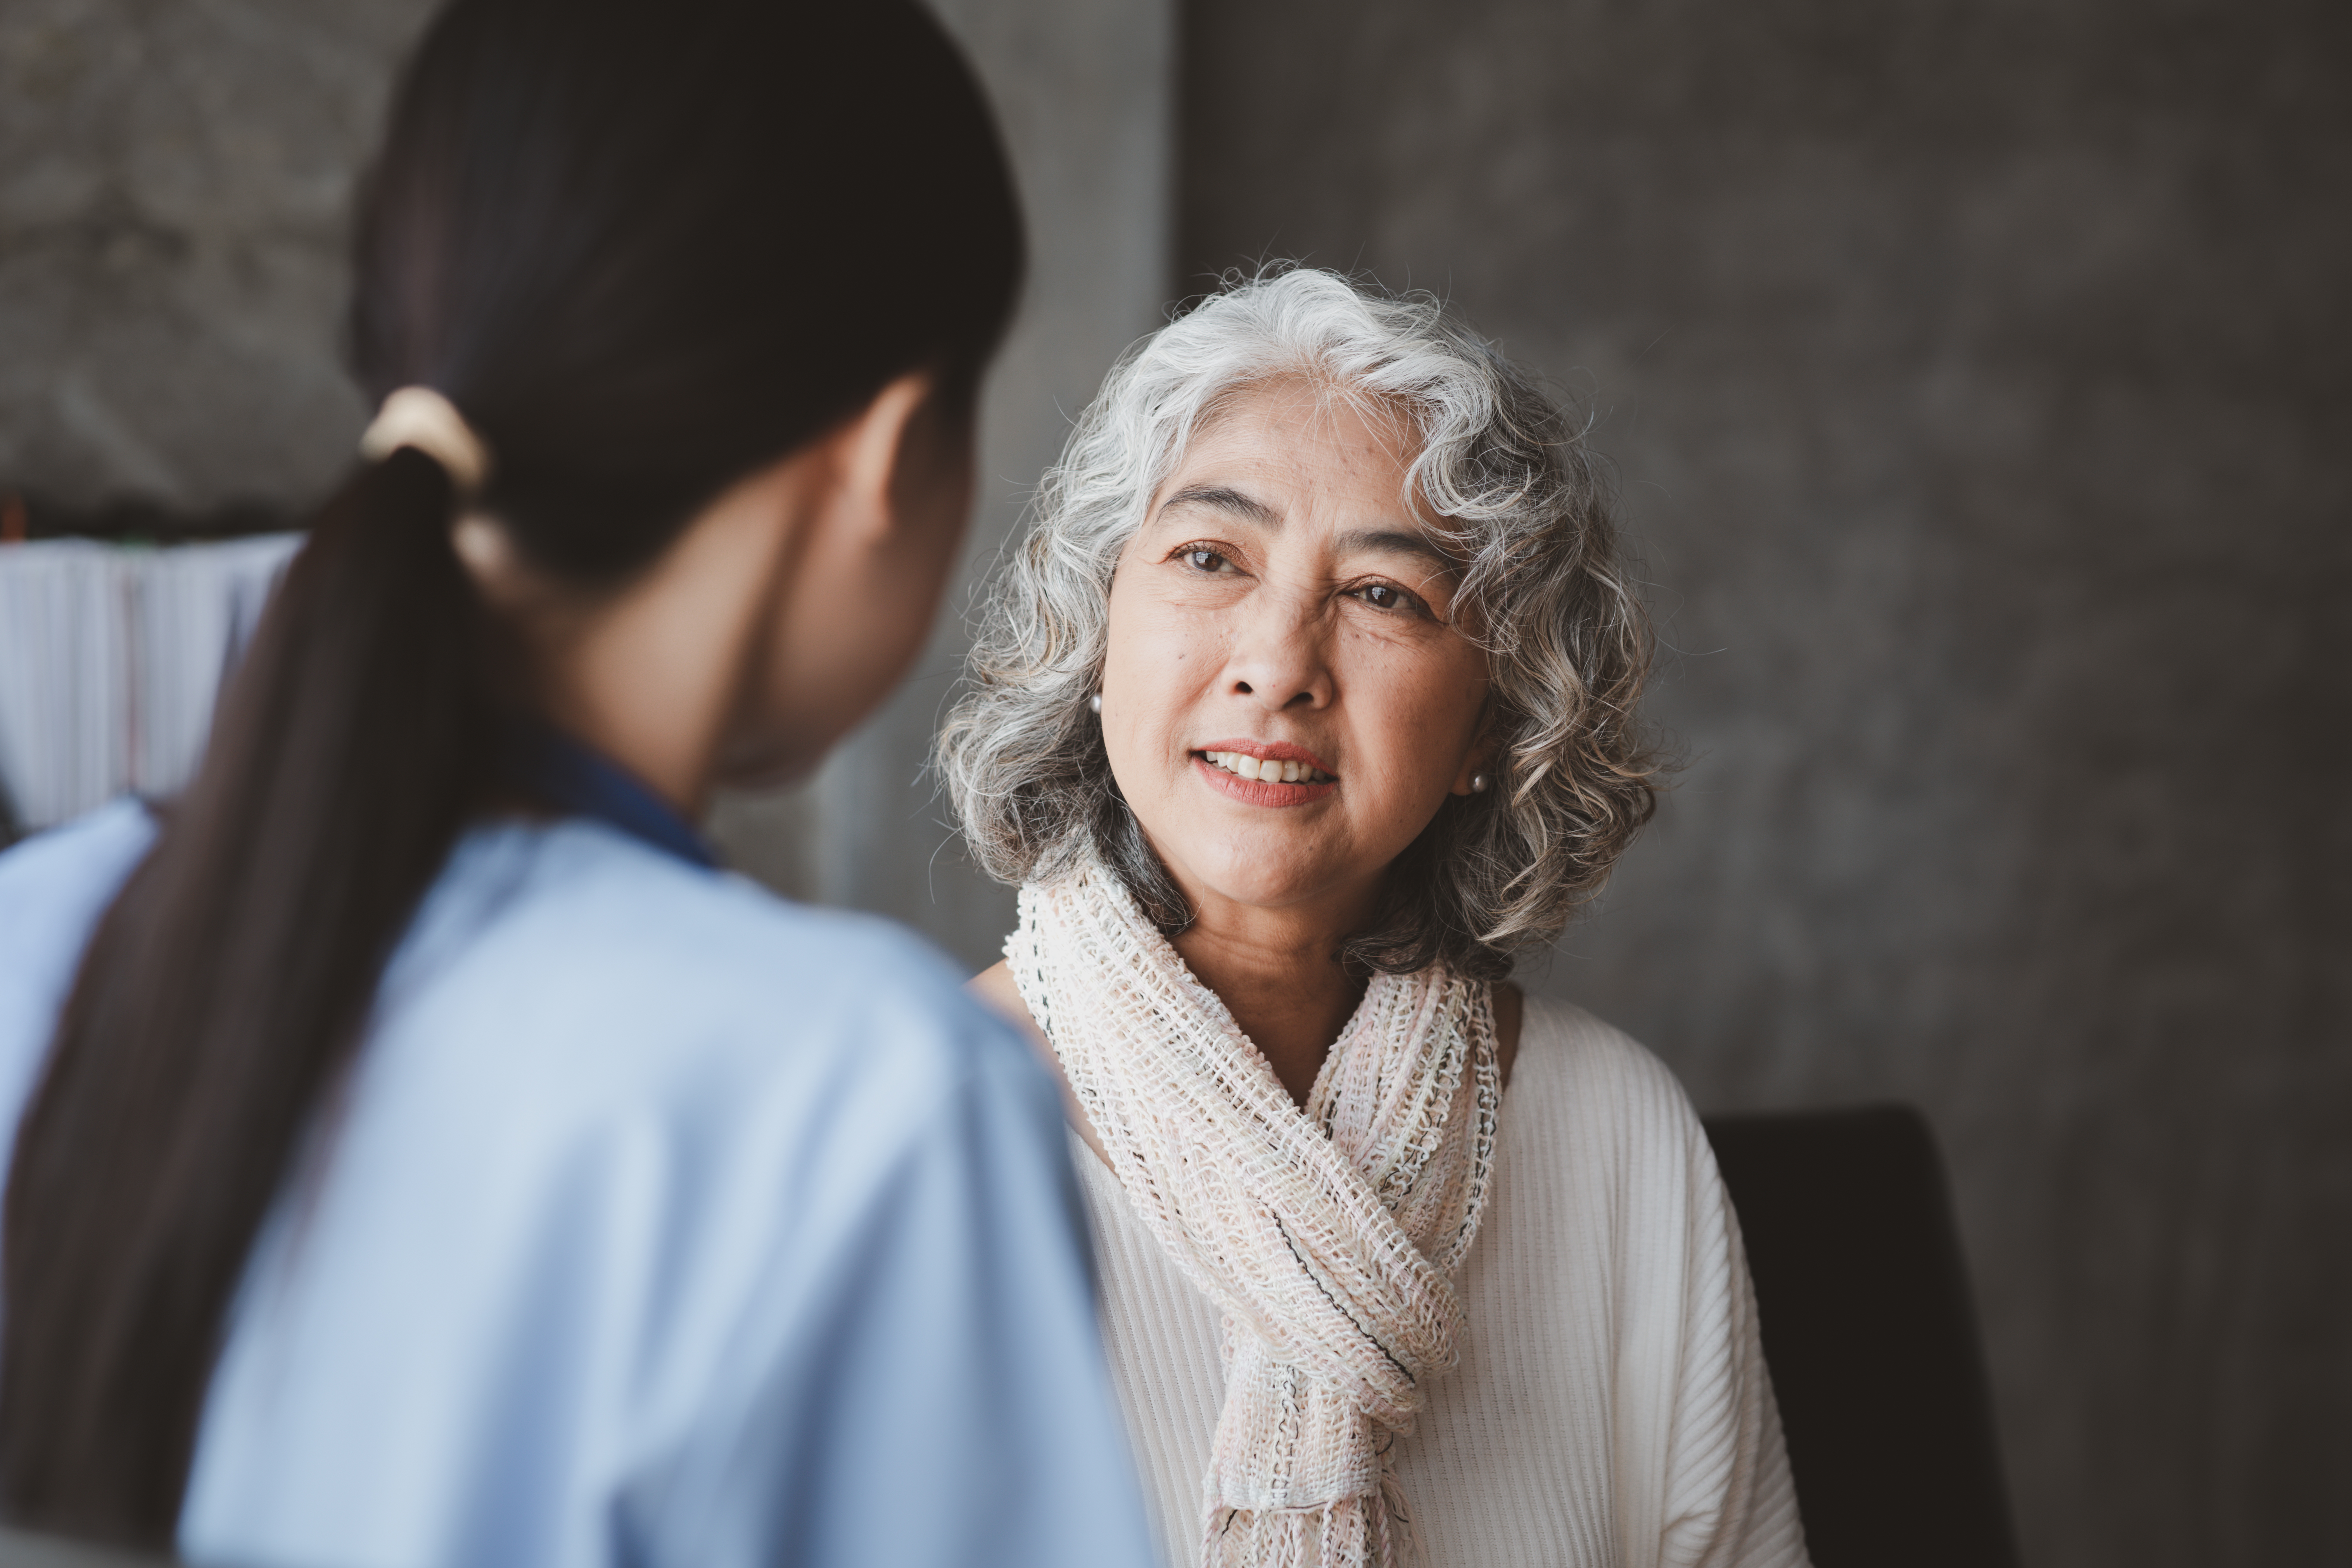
[[1730, 1501]]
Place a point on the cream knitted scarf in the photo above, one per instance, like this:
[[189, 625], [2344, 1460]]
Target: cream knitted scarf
[[1327, 1237]]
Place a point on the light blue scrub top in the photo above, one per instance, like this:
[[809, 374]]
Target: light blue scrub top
[[663, 1223]]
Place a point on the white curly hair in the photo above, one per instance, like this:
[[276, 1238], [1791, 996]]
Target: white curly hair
[[1505, 482]]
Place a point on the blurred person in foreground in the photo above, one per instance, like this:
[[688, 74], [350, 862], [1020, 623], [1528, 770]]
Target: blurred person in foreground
[[423, 1155], [1310, 699]]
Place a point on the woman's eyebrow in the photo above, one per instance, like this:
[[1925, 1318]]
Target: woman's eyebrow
[[1223, 497], [1398, 542]]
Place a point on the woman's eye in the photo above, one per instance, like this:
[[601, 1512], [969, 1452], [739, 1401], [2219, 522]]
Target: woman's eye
[[1387, 596], [1203, 560]]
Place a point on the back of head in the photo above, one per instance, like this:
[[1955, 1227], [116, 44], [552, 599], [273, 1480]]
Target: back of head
[[646, 251]]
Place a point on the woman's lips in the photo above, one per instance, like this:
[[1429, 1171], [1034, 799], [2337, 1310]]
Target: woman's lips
[[1247, 758], [1264, 792]]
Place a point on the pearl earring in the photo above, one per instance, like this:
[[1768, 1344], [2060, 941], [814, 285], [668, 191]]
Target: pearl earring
[[1478, 783], [1093, 703]]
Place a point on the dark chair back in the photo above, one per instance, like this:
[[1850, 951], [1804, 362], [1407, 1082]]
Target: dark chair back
[[1871, 1336]]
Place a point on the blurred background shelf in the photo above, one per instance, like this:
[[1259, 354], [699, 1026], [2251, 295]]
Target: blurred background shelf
[[111, 657]]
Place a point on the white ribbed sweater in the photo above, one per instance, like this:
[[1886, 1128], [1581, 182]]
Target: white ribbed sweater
[[1611, 1406]]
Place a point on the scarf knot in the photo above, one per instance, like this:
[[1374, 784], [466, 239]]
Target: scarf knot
[[1327, 1237]]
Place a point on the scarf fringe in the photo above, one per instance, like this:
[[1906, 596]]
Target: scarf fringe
[[1373, 1530]]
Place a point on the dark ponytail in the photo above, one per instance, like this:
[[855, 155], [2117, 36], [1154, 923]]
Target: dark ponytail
[[222, 989], [646, 250]]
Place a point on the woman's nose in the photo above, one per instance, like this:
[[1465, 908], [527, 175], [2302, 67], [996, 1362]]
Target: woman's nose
[[1279, 656]]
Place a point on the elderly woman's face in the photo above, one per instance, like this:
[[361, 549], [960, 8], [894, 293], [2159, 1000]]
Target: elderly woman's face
[[1286, 700]]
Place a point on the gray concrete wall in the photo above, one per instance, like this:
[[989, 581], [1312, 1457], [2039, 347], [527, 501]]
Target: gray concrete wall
[[1975, 375], [174, 183]]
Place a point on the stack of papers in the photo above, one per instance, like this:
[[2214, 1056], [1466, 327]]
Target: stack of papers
[[111, 658]]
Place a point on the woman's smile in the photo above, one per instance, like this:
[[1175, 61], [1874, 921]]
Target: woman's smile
[[1266, 773]]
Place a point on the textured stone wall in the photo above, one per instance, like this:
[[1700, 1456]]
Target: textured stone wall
[[1975, 376], [174, 181]]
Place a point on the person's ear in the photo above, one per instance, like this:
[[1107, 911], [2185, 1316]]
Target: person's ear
[[1477, 771], [873, 446]]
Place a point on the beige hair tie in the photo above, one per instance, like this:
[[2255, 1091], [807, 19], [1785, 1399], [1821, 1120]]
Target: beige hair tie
[[421, 417]]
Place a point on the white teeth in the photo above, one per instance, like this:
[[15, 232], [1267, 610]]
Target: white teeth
[[1243, 765]]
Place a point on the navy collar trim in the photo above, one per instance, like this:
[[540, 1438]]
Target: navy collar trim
[[580, 781]]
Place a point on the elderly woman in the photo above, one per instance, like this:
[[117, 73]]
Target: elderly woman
[[1309, 702]]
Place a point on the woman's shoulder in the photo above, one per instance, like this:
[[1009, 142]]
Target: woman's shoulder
[[53, 888], [1560, 1041], [1587, 1086], [605, 913], [640, 980], [53, 884]]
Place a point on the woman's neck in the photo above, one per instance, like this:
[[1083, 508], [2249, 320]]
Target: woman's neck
[[1281, 979]]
